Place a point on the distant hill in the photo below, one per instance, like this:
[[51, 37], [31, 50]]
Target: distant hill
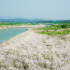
[[20, 20]]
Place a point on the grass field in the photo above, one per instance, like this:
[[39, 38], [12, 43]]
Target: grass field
[[54, 30]]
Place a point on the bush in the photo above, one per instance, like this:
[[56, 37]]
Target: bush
[[64, 25]]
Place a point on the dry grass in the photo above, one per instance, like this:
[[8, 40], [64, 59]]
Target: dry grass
[[28, 51]]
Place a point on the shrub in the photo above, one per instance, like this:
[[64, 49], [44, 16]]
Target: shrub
[[64, 25]]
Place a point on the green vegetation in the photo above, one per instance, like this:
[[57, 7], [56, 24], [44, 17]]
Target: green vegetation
[[64, 25], [11, 23], [54, 33], [54, 30], [3, 23], [55, 27], [8, 25]]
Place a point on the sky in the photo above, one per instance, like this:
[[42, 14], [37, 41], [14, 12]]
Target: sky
[[41, 9]]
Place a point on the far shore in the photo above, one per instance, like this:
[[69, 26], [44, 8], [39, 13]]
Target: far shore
[[4, 27]]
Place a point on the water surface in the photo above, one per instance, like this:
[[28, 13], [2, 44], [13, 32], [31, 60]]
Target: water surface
[[9, 33]]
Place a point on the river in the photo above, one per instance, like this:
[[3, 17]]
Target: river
[[9, 33]]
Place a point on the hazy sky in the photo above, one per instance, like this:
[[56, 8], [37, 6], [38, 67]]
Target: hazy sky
[[44, 9]]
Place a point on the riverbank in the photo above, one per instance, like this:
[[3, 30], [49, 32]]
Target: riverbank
[[33, 51], [4, 27]]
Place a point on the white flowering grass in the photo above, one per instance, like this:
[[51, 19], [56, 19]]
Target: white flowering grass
[[32, 51]]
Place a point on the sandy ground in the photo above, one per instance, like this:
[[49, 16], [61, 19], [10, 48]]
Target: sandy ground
[[20, 26], [30, 26], [33, 51]]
